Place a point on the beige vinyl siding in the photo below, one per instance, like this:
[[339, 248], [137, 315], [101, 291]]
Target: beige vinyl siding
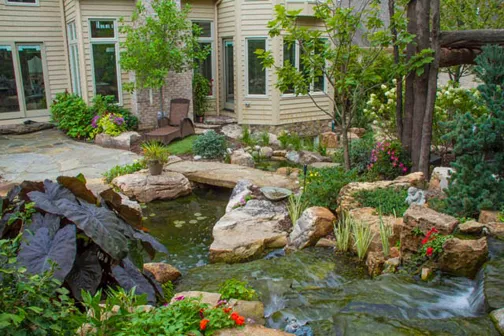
[[39, 24], [225, 29], [113, 9], [70, 10]]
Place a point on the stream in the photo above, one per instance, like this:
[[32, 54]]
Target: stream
[[330, 292]]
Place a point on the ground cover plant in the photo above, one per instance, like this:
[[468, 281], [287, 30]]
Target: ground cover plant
[[387, 201], [210, 145], [235, 289], [87, 243], [124, 170]]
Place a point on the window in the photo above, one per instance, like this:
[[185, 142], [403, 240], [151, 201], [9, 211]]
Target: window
[[293, 53], [105, 56], [22, 2], [74, 58], [256, 74], [206, 40], [32, 75], [9, 101]]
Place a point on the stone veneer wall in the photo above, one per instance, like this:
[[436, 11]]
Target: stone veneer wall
[[304, 129], [145, 103]]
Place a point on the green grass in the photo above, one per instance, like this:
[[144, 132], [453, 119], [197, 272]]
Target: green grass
[[181, 147]]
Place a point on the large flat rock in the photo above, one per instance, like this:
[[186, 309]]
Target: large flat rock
[[227, 175]]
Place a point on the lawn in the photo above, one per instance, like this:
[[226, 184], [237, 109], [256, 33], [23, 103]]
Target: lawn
[[181, 147]]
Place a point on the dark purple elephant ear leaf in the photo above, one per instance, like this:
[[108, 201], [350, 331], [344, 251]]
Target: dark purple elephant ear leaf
[[129, 276], [78, 188], [40, 251], [99, 224], [86, 273], [49, 221], [150, 243], [53, 193]]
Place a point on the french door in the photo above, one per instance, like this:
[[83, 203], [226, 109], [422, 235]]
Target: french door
[[228, 74]]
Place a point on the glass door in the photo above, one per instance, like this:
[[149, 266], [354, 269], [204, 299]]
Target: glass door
[[10, 103], [228, 75]]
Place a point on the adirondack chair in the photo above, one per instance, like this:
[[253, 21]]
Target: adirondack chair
[[177, 126]]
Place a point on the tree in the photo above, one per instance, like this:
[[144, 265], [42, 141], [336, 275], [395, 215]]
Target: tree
[[159, 42], [469, 15], [478, 181], [332, 53]]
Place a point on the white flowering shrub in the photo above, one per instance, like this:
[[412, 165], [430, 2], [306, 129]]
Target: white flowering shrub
[[381, 108]]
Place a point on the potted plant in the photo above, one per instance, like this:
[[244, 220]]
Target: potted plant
[[201, 90], [156, 156]]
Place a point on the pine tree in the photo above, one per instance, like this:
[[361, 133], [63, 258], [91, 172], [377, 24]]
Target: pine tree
[[478, 182]]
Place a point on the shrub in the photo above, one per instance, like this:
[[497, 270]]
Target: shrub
[[247, 137], [388, 161], [265, 139], [201, 90], [72, 115], [235, 289], [381, 108], [296, 206], [360, 153], [342, 232], [388, 201], [32, 302], [124, 170], [323, 186], [210, 145]]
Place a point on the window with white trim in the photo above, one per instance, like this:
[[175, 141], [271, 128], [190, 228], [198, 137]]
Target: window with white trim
[[256, 74], [206, 40], [22, 2], [292, 53], [73, 55], [105, 58]]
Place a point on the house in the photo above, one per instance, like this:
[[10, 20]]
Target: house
[[49, 46]]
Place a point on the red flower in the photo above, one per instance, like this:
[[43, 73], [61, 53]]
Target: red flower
[[227, 310], [425, 240], [203, 324], [429, 252], [235, 316], [240, 320]]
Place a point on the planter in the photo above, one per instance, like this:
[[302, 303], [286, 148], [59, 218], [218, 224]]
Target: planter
[[200, 119], [155, 167]]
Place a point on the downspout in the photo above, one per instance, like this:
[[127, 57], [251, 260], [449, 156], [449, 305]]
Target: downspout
[[65, 49], [217, 54]]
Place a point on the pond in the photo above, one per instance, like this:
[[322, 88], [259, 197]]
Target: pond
[[329, 291]]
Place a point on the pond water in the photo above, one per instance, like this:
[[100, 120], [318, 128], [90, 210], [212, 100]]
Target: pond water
[[330, 292]]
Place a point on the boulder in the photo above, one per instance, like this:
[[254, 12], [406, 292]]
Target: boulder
[[375, 263], [329, 140], [323, 165], [122, 141], [251, 330], [24, 128], [423, 219], [292, 156], [242, 158], [288, 171], [240, 191], [391, 265], [266, 152], [146, 188], [245, 232], [205, 297], [325, 242], [497, 317], [488, 216], [471, 227], [275, 194], [314, 223], [493, 283], [162, 272], [232, 131], [358, 131], [440, 179], [273, 139], [463, 257], [307, 157], [280, 153], [252, 310], [496, 229], [426, 273]]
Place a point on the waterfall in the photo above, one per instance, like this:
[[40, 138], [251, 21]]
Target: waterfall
[[477, 301]]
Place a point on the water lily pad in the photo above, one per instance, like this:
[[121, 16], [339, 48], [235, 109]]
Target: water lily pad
[[152, 215], [275, 194], [201, 218], [145, 218], [193, 221], [197, 214], [178, 225]]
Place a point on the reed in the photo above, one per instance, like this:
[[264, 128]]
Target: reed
[[342, 232]]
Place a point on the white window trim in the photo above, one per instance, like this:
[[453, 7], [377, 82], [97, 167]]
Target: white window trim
[[296, 65], [73, 50], [210, 40], [106, 40], [266, 73], [8, 3]]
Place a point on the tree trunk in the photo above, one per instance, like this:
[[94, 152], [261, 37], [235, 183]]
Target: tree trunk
[[399, 84], [431, 94], [421, 84], [409, 101], [161, 101], [344, 128]]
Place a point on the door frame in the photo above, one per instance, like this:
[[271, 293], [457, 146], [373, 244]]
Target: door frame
[[230, 106]]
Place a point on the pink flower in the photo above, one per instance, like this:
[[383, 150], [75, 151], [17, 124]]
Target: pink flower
[[180, 298], [405, 170]]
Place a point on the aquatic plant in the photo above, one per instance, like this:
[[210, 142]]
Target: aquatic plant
[[235, 289], [297, 204], [386, 232], [362, 237], [342, 232]]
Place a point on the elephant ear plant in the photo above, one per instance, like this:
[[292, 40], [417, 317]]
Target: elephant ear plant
[[88, 243]]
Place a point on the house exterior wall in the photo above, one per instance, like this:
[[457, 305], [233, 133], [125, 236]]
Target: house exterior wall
[[38, 24]]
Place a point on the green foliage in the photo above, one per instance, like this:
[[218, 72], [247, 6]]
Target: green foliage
[[201, 90], [111, 124], [72, 115], [284, 139], [417, 232], [264, 138], [478, 180], [386, 231], [323, 186], [381, 108], [297, 204], [124, 170], [435, 242], [388, 161], [155, 151], [362, 237], [247, 137], [291, 141], [168, 290], [343, 231], [360, 153], [388, 201], [183, 146], [438, 204], [235, 289], [32, 304], [210, 145]]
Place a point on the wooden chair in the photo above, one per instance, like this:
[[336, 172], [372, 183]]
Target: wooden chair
[[175, 127]]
